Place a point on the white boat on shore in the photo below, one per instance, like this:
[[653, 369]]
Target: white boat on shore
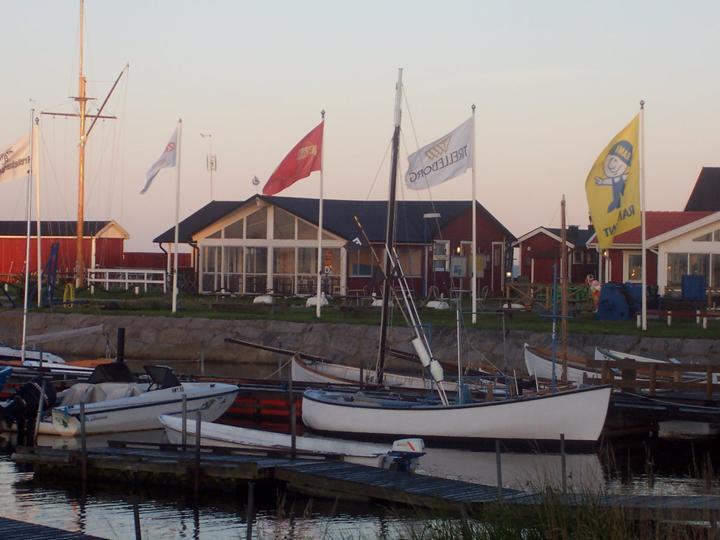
[[374, 455], [120, 406]]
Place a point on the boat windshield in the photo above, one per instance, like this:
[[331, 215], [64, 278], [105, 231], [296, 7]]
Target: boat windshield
[[162, 376], [113, 372]]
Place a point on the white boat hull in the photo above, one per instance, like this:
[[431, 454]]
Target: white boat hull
[[578, 414], [254, 439], [142, 412], [540, 367]]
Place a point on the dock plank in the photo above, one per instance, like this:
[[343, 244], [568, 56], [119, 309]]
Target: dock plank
[[12, 528]]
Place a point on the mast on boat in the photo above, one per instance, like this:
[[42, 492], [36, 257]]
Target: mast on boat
[[390, 231], [563, 289]]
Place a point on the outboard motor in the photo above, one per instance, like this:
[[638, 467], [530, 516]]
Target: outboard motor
[[22, 408], [404, 455]]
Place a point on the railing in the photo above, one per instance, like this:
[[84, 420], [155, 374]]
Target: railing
[[541, 293], [127, 277], [652, 376]]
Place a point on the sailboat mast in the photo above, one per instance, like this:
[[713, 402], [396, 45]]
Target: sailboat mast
[[563, 289], [390, 231], [82, 102]]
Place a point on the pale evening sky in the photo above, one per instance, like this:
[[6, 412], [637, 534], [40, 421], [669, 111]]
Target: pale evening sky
[[553, 82]]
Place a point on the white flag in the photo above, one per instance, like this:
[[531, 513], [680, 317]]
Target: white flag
[[167, 159], [442, 159], [15, 160]]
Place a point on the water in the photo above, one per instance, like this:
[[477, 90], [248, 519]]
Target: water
[[678, 469]]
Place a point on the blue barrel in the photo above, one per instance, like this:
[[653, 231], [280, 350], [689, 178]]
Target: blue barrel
[[693, 287]]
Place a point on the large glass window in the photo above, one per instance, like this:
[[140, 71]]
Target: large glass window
[[361, 262], [255, 269], [677, 265], [234, 230], [284, 225], [704, 238], [283, 260], [441, 255], [699, 265], [257, 224], [307, 260], [212, 275], [634, 267], [331, 260], [306, 231], [233, 268]]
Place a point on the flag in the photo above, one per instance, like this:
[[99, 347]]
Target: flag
[[442, 159], [355, 244], [15, 160], [613, 186], [166, 159], [304, 158]]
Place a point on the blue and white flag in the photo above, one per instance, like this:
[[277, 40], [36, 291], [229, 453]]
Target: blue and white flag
[[167, 159], [442, 159]]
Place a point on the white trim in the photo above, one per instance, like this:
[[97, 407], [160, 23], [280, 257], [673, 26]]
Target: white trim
[[626, 266], [543, 230]]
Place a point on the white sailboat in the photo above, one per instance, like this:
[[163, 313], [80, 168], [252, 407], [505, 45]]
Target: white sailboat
[[578, 414]]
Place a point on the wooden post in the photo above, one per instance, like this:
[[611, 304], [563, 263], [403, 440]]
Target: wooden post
[[653, 378], [293, 413], [39, 411], [120, 345], [250, 510], [709, 381], [136, 518], [669, 318], [563, 464], [184, 421], [83, 446], [198, 436], [498, 465]]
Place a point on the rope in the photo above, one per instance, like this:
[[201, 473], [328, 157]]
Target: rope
[[278, 370], [377, 173]]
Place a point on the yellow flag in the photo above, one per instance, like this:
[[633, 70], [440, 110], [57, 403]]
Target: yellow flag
[[613, 186]]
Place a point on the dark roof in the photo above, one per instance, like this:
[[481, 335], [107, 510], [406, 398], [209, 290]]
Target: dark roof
[[51, 228], [575, 235], [705, 196], [337, 217]]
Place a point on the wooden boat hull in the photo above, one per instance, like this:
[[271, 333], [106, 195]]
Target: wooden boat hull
[[578, 414], [541, 367]]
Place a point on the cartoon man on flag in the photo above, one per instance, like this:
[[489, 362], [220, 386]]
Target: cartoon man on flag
[[616, 166]]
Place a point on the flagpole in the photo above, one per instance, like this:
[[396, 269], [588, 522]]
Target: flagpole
[[177, 220], [320, 225], [28, 211], [642, 214], [473, 250], [38, 233]]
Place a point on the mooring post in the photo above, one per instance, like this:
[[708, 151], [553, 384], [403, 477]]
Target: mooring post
[[83, 445], [362, 374], [669, 318], [39, 411], [184, 421], [250, 509], [293, 423], [498, 464], [41, 357], [120, 346], [198, 436], [563, 464], [136, 517]]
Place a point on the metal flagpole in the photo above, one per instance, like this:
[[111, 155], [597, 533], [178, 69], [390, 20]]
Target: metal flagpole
[[177, 219], [473, 250], [38, 233], [642, 214], [320, 225], [28, 211]]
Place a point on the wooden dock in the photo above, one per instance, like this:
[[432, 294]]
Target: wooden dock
[[147, 463], [11, 528]]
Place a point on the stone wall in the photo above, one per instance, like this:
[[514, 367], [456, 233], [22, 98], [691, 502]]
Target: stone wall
[[168, 339]]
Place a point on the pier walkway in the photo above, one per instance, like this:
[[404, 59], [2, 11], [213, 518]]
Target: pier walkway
[[17, 530], [330, 478]]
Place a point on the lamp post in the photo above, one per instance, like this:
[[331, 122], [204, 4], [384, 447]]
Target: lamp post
[[210, 161]]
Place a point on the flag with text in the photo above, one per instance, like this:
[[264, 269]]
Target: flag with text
[[167, 159], [303, 159]]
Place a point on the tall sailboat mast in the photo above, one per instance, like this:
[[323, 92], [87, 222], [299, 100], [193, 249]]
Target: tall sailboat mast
[[390, 231], [82, 102]]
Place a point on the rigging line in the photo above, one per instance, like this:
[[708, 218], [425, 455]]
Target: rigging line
[[377, 173], [50, 163], [410, 116]]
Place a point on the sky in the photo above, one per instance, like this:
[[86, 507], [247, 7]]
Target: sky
[[553, 82]]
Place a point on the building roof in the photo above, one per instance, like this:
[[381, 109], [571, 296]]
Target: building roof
[[705, 196], [576, 236], [656, 224], [52, 228], [337, 217]]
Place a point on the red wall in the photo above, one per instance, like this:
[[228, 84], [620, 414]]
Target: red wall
[[616, 257], [138, 259], [545, 251]]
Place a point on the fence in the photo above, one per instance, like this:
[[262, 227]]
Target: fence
[[127, 277]]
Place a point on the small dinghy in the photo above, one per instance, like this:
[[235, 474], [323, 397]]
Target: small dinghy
[[116, 402], [403, 455]]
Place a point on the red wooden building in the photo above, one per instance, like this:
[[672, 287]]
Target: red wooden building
[[103, 245], [539, 251]]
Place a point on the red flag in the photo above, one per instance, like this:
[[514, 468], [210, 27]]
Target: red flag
[[304, 158]]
